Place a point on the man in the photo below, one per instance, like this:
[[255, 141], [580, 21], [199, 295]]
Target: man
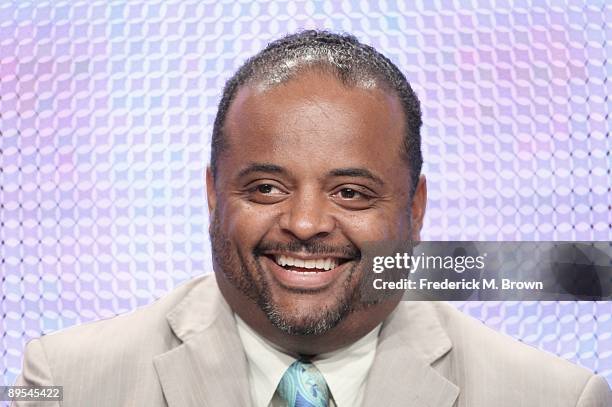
[[316, 151]]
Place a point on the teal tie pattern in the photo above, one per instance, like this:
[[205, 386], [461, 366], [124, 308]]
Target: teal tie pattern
[[303, 385]]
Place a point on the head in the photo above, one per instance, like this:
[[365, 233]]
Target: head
[[315, 152]]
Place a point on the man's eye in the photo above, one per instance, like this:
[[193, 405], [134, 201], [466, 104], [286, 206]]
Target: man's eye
[[353, 198], [266, 194], [267, 189], [350, 193]]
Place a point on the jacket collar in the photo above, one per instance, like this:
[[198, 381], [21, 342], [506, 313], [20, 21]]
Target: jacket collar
[[411, 341], [209, 367]]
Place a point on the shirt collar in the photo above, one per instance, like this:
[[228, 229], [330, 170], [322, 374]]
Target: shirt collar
[[345, 370]]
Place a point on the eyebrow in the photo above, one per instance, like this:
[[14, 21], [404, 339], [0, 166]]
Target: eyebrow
[[356, 172], [261, 167]]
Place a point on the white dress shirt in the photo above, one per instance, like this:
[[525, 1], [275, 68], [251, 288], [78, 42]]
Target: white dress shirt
[[344, 370]]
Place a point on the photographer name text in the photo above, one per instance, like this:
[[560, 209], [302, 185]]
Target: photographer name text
[[463, 284]]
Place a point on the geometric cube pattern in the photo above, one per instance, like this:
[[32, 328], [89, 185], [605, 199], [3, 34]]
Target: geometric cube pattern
[[106, 112]]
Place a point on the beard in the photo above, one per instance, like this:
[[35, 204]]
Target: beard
[[248, 276]]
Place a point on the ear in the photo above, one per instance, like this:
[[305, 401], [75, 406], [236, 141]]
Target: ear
[[419, 203], [211, 195]]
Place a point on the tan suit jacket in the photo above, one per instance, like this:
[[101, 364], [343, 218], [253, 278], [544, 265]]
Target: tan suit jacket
[[184, 350]]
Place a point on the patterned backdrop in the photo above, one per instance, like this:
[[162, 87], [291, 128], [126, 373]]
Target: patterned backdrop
[[106, 111]]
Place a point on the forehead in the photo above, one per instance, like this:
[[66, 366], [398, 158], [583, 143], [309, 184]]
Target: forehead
[[315, 121]]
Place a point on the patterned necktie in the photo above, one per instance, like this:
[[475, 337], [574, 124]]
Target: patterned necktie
[[303, 385]]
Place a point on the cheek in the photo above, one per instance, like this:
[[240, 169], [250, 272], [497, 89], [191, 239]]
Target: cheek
[[381, 225], [247, 223]]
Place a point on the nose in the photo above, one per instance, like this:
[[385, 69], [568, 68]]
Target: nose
[[307, 217]]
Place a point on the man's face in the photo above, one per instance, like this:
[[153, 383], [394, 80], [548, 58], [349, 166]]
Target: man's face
[[312, 171]]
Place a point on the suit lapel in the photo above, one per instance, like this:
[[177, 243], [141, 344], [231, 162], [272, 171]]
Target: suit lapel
[[209, 368], [411, 340]]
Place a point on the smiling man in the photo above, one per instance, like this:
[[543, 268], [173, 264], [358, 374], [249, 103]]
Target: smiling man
[[316, 152]]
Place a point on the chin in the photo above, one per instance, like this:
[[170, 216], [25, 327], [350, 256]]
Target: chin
[[311, 313], [309, 323]]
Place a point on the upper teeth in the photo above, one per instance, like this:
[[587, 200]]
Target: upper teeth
[[324, 264]]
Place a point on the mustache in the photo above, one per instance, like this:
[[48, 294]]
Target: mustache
[[309, 246]]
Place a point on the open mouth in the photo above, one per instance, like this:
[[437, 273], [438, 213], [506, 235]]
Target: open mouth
[[306, 272], [318, 265]]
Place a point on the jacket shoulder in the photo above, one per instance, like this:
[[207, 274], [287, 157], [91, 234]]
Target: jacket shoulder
[[109, 360], [127, 329], [491, 366]]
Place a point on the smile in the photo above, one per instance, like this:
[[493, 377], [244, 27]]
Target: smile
[[316, 265], [307, 272]]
